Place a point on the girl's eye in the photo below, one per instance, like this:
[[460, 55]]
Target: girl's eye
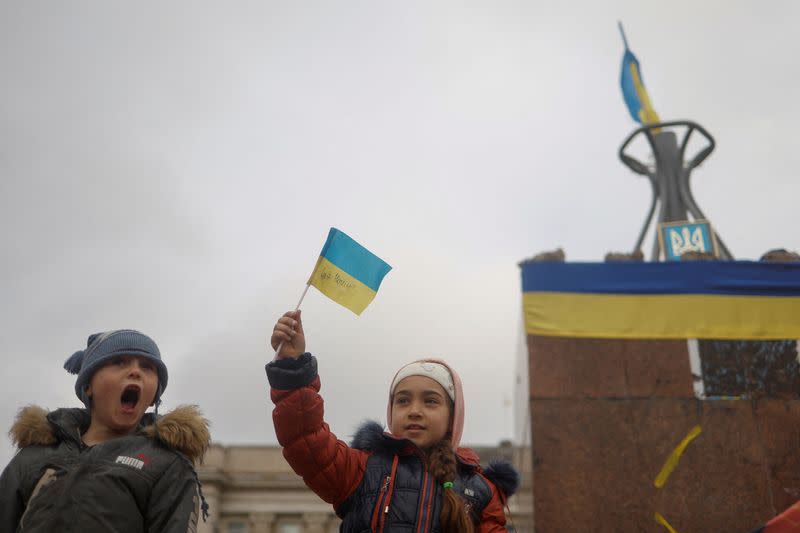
[[432, 401], [401, 401]]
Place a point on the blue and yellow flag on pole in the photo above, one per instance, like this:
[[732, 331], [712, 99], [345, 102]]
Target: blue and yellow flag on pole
[[632, 83], [672, 300], [348, 273]]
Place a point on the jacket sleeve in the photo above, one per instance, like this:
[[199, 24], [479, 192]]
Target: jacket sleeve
[[174, 502], [786, 521], [12, 504], [327, 465], [493, 517]]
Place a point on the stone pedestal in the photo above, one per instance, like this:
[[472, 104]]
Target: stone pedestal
[[605, 416]]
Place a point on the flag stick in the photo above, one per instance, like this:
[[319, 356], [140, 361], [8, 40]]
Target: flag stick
[[278, 349], [622, 32]]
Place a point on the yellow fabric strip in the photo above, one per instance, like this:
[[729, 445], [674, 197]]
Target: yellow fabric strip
[[340, 286], [674, 457], [663, 521], [647, 114], [668, 316]]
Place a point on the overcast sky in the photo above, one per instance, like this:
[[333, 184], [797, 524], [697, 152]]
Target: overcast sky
[[175, 166]]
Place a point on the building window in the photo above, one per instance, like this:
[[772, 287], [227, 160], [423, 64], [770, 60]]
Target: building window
[[237, 527]]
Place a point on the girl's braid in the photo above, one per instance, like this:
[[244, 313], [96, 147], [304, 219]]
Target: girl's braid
[[455, 517]]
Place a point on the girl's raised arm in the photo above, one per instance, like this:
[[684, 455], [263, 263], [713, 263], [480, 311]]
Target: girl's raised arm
[[327, 465]]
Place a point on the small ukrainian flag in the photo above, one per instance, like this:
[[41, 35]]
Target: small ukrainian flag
[[348, 273]]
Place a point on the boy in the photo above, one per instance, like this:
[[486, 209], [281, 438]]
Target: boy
[[109, 467]]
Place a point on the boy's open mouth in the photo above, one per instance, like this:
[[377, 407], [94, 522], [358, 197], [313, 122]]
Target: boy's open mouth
[[130, 396]]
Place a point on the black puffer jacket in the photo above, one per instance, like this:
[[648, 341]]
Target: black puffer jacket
[[138, 483]]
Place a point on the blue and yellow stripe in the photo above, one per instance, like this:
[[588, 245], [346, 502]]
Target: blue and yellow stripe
[[348, 273], [717, 300]]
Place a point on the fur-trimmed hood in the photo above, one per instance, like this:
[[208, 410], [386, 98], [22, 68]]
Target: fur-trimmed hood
[[183, 429], [504, 476], [371, 437]]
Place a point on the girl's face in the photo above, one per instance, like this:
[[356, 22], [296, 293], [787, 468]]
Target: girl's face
[[420, 411], [121, 391]]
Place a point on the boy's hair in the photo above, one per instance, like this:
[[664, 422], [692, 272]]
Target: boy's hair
[[101, 347]]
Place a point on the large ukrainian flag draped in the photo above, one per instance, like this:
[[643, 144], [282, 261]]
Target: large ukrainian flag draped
[[348, 273], [703, 299]]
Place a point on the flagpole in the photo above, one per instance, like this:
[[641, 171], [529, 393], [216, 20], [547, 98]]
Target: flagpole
[[622, 32], [278, 349]]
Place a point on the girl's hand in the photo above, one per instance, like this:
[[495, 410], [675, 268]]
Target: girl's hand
[[288, 333]]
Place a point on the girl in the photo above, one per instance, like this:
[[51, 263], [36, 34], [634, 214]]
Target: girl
[[413, 478]]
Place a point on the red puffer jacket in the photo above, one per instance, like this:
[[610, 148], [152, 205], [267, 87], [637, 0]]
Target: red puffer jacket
[[381, 483]]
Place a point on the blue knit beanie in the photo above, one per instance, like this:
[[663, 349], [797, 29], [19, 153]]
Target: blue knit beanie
[[102, 346]]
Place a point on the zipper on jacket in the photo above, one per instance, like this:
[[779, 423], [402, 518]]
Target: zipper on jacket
[[389, 491], [82, 446], [376, 513], [379, 514]]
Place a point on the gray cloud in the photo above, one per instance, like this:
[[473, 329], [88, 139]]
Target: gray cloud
[[176, 170]]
